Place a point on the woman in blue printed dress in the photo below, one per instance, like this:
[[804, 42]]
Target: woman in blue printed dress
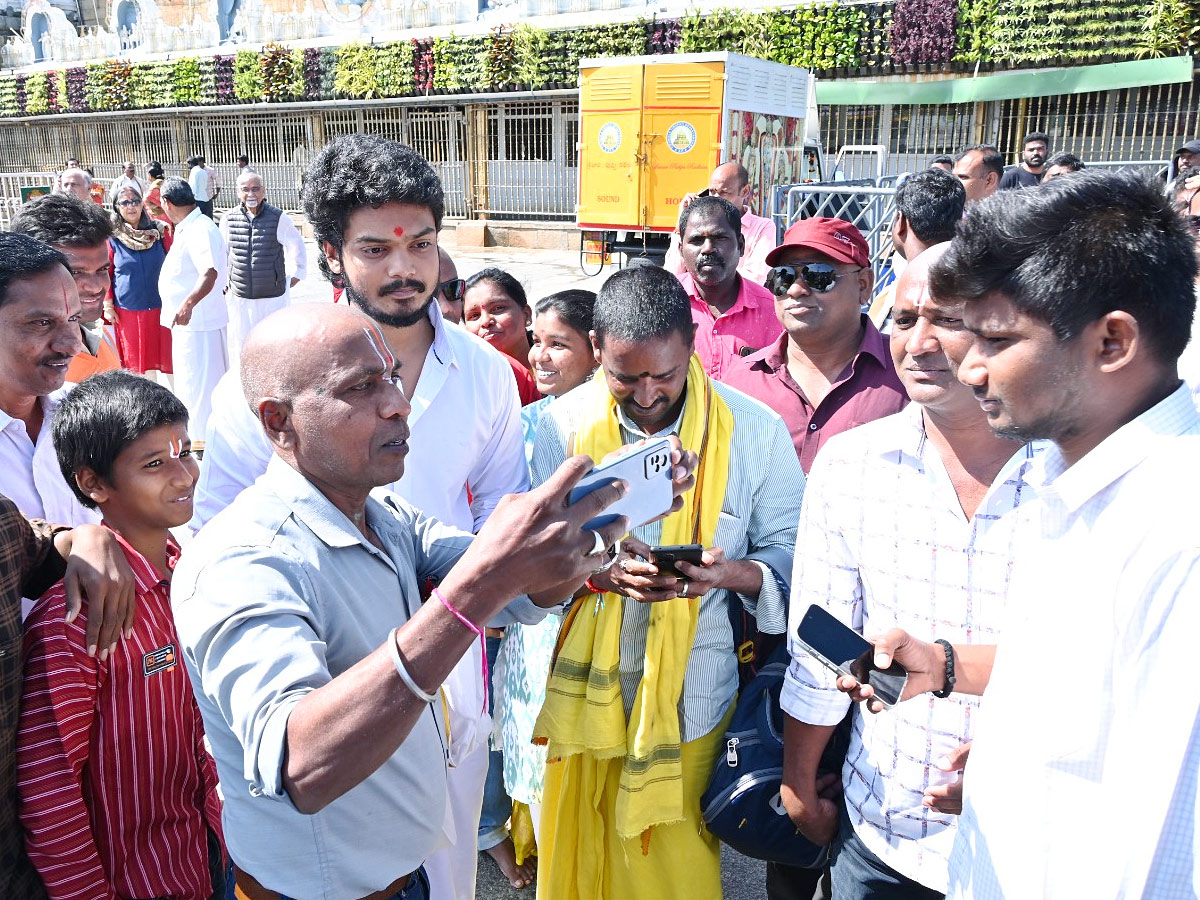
[[561, 358]]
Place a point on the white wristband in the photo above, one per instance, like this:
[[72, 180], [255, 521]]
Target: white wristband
[[403, 672]]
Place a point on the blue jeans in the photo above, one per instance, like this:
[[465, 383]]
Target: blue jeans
[[497, 807], [858, 874]]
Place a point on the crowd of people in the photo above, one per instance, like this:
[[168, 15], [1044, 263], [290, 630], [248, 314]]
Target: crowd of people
[[372, 633]]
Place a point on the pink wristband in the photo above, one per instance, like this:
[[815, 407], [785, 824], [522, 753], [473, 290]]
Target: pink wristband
[[476, 630]]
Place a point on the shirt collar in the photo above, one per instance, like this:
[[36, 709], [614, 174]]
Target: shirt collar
[[145, 572], [443, 349], [774, 357], [629, 425], [313, 508], [91, 340], [49, 405], [1117, 454], [189, 218], [746, 300]]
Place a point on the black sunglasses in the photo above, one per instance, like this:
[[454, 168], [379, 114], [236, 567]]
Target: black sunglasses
[[453, 290], [820, 278]]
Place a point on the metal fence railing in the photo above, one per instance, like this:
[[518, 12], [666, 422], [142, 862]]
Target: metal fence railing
[[513, 159], [12, 196], [866, 204]]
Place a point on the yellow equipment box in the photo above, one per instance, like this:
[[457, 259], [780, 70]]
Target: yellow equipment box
[[652, 129]]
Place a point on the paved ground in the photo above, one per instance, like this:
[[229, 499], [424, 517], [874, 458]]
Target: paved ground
[[741, 879], [542, 272]]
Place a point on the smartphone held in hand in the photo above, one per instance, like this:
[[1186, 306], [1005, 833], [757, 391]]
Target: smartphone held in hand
[[647, 469], [839, 647], [665, 557]]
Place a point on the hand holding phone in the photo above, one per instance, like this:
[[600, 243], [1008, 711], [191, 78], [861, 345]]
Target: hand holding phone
[[665, 557], [647, 469], [839, 647]]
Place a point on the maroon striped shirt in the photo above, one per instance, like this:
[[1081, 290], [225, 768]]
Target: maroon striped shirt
[[117, 790]]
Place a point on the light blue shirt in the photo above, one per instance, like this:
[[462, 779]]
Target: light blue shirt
[[280, 595], [757, 523]]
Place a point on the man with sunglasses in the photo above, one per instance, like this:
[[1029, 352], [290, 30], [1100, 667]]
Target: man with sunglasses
[[831, 369], [450, 289], [733, 315]]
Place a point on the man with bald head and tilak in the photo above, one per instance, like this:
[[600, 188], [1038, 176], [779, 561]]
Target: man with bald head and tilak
[[299, 608], [730, 181], [931, 482], [266, 259]]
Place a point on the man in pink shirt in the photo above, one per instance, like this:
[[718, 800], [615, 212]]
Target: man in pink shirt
[[734, 316], [730, 181], [831, 370]]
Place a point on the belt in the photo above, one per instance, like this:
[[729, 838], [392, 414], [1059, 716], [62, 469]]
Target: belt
[[249, 889]]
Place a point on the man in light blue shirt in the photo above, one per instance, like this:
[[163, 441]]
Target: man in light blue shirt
[[300, 617]]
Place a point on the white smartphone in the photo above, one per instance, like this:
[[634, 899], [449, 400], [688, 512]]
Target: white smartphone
[[647, 468]]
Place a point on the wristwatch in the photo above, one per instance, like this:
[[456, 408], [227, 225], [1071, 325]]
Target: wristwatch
[[950, 676]]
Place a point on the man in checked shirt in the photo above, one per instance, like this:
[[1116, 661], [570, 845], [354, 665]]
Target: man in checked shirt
[[893, 534]]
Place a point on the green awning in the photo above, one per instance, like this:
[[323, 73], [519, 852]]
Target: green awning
[[1009, 85]]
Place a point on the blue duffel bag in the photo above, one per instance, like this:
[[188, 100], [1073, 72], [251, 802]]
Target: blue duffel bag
[[742, 806]]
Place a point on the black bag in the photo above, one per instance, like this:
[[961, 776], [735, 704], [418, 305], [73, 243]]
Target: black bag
[[742, 805]]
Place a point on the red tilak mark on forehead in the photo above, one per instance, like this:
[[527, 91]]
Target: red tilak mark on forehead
[[399, 232], [66, 302]]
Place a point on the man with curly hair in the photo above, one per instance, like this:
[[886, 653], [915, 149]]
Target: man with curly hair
[[375, 207]]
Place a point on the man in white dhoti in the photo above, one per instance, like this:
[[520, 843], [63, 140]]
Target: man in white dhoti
[[191, 284]]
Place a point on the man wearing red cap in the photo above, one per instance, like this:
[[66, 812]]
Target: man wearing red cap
[[733, 315], [831, 370]]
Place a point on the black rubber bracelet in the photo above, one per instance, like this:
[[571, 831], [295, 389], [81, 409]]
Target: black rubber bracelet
[[950, 676]]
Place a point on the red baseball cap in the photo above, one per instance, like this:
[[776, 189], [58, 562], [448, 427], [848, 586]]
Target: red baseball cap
[[836, 238]]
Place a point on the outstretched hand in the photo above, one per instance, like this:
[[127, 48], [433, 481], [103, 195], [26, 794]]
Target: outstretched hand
[[925, 662]]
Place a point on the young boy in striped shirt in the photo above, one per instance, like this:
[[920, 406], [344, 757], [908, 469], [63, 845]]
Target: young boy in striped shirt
[[118, 794]]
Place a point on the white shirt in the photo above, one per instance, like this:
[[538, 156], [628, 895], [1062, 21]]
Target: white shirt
[[199, 182], [123, 182], [198, 247], [29, 472], [294, 255], [883, 543], [1083, 778], [466, 430]]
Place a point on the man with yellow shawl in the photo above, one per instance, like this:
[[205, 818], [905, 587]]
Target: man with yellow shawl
[[645, 675]]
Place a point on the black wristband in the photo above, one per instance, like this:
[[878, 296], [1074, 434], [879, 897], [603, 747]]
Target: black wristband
[[950, 676]]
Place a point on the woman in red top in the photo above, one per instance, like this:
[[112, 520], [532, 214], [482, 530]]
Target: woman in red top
[[495, 308]]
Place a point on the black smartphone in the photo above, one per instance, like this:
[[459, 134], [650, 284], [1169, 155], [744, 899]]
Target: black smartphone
[[666, 557], [842, 649]]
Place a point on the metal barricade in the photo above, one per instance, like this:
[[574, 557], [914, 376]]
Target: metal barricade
[[866, 204], [12, 196]]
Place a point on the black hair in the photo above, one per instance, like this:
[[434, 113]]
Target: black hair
[[575, 307], [178, 192], [200, 160], [144, 222], [1078, 249], [712, 206], [64, 220], [22, 256], [502, 280], [932, 201], [990, 156], [1067, 161], [1036, 136], [943, 159], [192, 161], [155, 170], [357, 170], [642, 303], [102, 416], [244, 158]]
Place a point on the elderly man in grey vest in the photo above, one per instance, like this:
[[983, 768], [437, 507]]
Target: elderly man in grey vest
[[266, 258]]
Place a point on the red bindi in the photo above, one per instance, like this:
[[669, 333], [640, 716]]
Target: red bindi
[[399, 232]]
